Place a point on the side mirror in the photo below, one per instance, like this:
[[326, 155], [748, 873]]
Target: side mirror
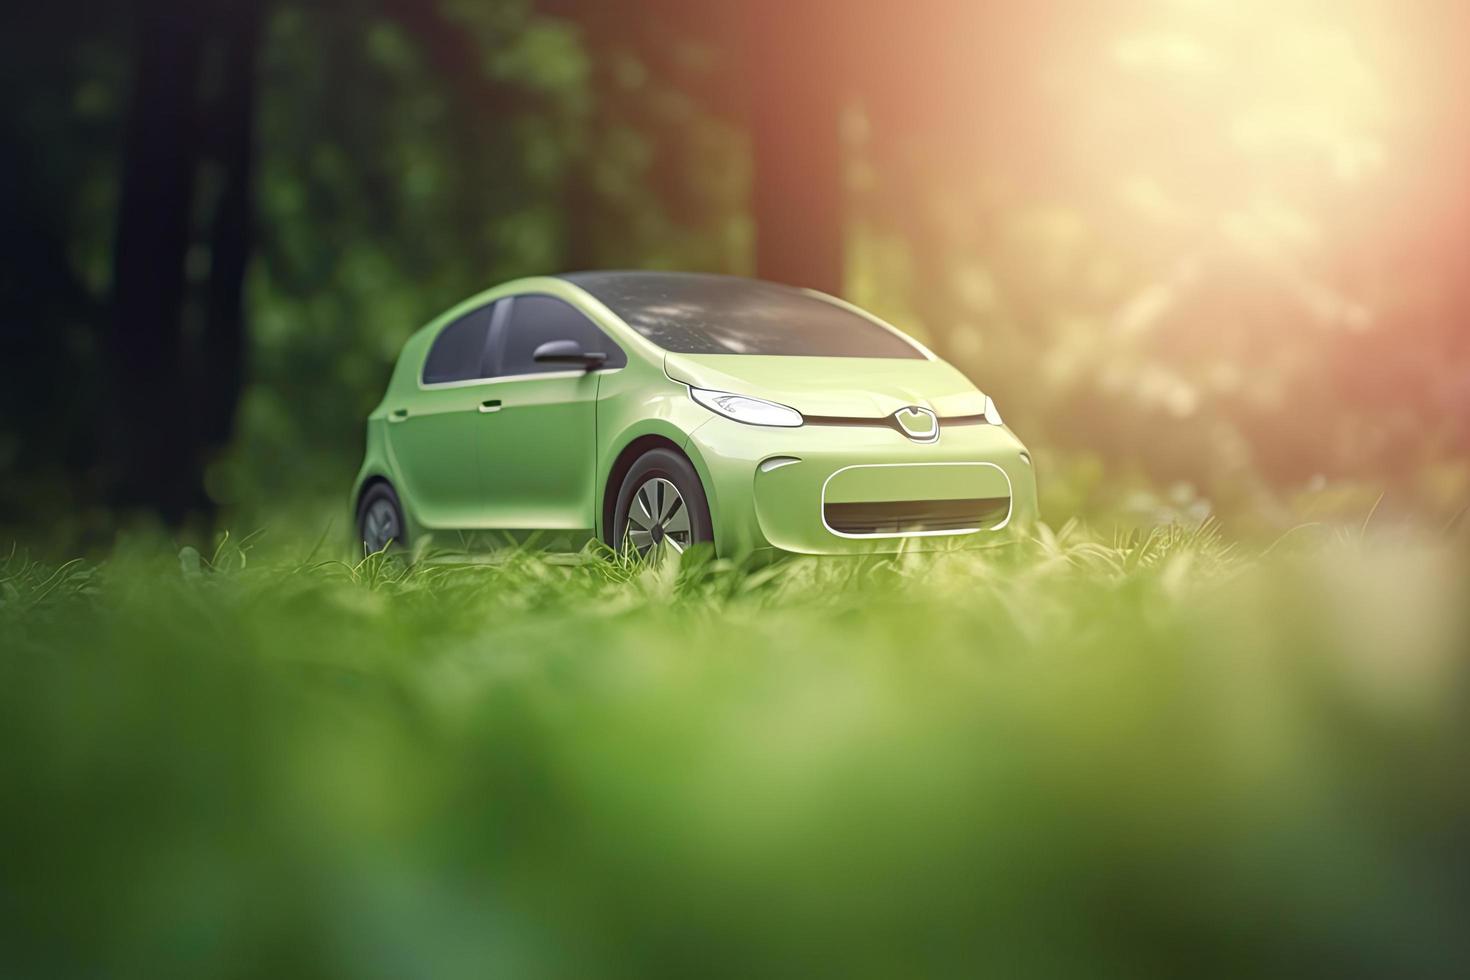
[[568, 352]]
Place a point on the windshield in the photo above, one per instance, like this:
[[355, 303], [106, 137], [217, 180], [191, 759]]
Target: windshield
[[686, 313]]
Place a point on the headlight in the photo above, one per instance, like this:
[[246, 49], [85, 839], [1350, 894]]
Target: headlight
[[992, 414], [743, 408]]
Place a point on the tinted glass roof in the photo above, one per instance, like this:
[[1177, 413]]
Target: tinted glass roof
[[695, 313]]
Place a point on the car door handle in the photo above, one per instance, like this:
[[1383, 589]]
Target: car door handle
[[490, 405], [398, 415]]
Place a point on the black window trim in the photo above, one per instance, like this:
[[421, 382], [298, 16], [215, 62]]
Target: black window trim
[[490, 357]]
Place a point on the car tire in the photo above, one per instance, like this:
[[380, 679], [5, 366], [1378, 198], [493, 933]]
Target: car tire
[[380, 523], [658, 521]]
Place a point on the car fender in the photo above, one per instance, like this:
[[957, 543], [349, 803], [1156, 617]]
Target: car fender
[[663, 428]]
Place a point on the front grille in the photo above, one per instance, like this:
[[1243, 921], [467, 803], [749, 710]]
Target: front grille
[[909, 516], [888, 421]]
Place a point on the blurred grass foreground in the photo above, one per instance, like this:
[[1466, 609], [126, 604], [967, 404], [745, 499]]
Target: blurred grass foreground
[[1158, 756]]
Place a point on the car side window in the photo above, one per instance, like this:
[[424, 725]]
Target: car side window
[[535, 319], [458, 352]]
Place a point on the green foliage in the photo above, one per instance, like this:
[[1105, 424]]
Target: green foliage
[[1152, 755]]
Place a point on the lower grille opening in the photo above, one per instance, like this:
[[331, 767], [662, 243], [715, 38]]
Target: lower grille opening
[[908, 516]]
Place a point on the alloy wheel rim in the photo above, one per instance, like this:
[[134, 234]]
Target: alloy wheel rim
[[658, 520], [379, 526]]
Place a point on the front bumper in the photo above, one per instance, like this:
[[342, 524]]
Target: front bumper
[[833, 490]]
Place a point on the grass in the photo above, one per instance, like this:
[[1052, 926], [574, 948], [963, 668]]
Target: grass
[[1162, 754]]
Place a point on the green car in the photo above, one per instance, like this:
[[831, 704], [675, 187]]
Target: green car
[[653, 411]]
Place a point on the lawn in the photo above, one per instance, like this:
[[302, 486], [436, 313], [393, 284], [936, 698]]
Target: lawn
[[1160, 755]]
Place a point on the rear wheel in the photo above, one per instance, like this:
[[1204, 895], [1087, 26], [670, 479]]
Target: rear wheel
[[380, 519], [661, 507]]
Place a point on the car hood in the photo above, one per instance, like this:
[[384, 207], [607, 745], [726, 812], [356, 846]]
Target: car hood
[[856, 387]]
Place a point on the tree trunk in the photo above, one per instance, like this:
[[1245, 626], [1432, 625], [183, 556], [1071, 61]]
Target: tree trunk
[[153, 457], [232, 228], [794, 85]]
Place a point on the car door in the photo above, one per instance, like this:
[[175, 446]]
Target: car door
[[538, 441], [433, 433]]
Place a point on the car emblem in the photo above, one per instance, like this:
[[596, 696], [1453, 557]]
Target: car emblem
[[919, 424]]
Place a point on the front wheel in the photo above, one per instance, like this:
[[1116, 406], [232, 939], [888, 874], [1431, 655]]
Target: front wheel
[[661, 507]]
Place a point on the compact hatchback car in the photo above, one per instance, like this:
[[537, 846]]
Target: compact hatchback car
[[654, 411]]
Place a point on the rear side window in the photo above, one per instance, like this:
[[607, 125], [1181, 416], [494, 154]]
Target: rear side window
[[536, 319], [458, 353]]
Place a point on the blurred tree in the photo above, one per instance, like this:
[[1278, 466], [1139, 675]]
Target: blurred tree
[[655, 169], [56, 135], [796, 81], [175, 403], [232, 228], [154, 438], [782, 72]]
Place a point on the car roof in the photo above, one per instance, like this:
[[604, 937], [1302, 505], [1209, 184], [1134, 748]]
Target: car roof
[[652, 277]]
